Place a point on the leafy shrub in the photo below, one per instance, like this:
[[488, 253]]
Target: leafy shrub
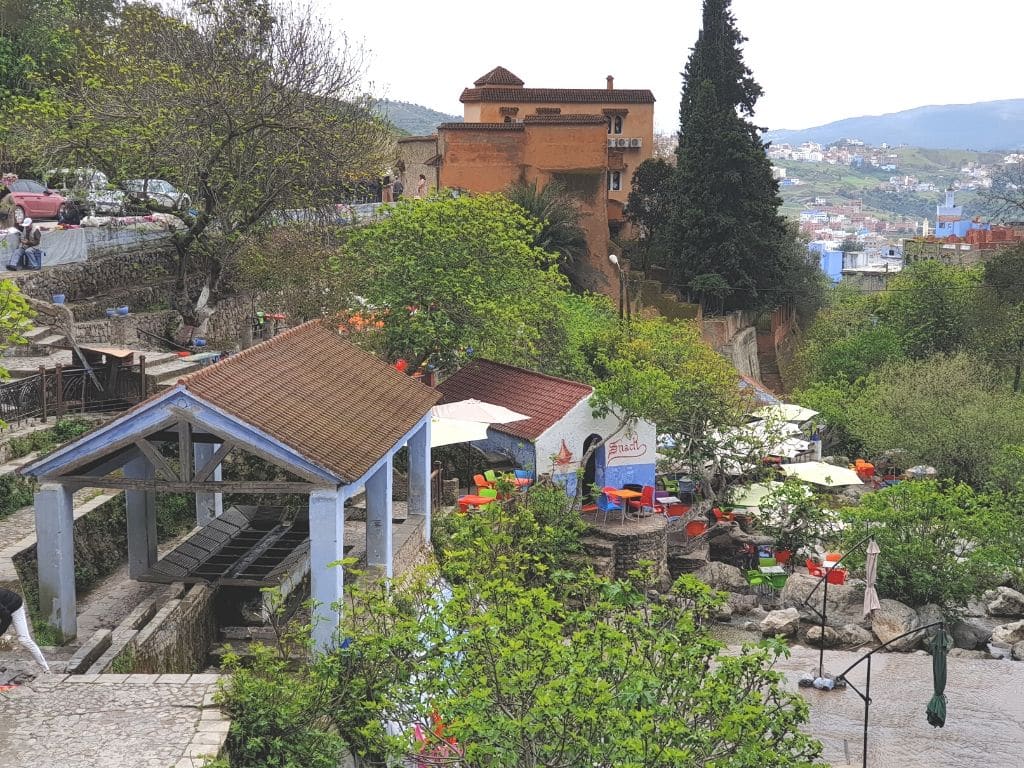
[[278, 714], [15, 493], [46, 440]]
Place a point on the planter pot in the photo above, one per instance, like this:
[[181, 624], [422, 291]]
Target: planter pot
[[58, 298], [199, 342], [122, 311], [111, 311]]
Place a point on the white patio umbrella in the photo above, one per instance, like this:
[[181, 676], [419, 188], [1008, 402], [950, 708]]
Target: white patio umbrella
[[451, 431], [477, 410], [870, 574], [820, 473], [786, 412], [753, 495]]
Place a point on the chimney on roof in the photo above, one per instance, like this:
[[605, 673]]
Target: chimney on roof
[[611, 82]]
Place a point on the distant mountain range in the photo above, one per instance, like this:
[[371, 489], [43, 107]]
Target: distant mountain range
[[984, 126], [414, 119]]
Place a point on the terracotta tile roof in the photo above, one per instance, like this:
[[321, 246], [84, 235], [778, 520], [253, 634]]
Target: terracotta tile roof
[[559, 95], [566, 120], [480, 127], [545, 399], [319, 394], [498, 76]]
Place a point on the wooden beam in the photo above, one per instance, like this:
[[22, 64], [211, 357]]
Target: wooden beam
[[170, 436], [203, 473], [159, 462], [185, 457], [179, 486], [98, 456]]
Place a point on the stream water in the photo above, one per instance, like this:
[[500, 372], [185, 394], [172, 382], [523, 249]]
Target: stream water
[[984, 722]]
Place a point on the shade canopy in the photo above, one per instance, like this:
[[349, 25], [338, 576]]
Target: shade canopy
[[789, 448], [451, 431], [753, 495], [820, 473], [786, 412], [477, 410]]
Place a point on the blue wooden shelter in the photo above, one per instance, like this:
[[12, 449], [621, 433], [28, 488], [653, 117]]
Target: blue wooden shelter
[[307, 401]]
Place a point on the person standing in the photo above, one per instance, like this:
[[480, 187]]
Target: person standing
[[28, 253], [6, 208], [421, 187], [397, 189], [12, 610]]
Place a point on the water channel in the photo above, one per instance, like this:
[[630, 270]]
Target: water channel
[[984, 724]]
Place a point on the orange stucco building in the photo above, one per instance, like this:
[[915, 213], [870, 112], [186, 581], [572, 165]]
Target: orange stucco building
[[590, 140]]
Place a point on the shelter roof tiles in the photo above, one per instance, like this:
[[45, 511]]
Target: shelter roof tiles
[[545, 399], [559, 95], [339, 406], [480, 127]]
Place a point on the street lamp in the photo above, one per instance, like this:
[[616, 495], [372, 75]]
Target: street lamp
[[623, 288]]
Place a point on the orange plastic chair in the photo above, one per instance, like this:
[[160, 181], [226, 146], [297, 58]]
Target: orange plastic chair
[[814, 569], [695, 528], [481, 482]]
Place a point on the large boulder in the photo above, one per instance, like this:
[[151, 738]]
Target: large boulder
[[927, 614], [742, 604], [1018, 651], [853, 636], [814, 634], [785, 621], [968, 635], [845, 601], [1009, 634], [723, 576], [891, 620], [1003, 601]]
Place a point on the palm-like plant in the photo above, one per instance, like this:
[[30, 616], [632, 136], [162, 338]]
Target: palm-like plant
[[561, 235]]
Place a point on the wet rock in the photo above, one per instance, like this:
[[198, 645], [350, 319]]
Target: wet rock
[[813, 637], [1009, 634], [851, 635], [742, 604], [1018, 651], [845, 601], [963, 653], [1003, 601], [785, 621], [722, 576], [891, 620], [969, 636]]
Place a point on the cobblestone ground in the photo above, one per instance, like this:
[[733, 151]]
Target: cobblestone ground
[[115, 721]]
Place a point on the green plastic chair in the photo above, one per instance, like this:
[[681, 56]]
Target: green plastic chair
[[490, 476], [755, 578], [778, 580], [766, 562], [489, 493]]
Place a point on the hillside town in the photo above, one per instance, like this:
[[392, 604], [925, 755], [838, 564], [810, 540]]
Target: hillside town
[[530, 437]]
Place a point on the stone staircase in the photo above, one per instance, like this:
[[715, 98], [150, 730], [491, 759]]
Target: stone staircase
[[768, 362]]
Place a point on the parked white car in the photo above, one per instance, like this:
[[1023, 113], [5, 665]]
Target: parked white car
[[89, 189]]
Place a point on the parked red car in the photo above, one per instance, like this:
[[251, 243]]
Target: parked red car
[[33, 200]]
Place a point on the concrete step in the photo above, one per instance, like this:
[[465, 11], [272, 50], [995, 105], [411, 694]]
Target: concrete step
[[38, 332], [175, 367], [54, 339]]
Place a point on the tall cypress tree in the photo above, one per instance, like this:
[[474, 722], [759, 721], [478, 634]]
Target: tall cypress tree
[[727, 235]]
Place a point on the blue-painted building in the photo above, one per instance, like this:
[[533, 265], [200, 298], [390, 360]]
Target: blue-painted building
[[949, 219], [831, 259], [560, 429]]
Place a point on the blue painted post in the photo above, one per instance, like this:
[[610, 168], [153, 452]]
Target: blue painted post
[[378, 519], [326, 546], [419, 475], [140, 508], [208, 505], [55, 521]]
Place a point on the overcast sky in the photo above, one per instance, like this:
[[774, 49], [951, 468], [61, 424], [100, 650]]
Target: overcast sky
[[817, 60]]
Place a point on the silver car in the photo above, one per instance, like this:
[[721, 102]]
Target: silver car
[[159, 192]]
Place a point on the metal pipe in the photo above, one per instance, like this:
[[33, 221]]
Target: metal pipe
[[867, 712]]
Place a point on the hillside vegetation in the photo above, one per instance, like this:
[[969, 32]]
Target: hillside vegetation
[[414, 119]]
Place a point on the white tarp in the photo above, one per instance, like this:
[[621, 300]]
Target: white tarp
[[786, 412], [820, 473]]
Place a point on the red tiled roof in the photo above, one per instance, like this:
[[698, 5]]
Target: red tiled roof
[[565, 119], [480, 127], [340, 407], [545, 399], [498, 76], [559, 95]]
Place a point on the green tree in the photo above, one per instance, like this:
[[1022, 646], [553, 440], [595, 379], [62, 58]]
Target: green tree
[[725, 220], [999, 313], [251, 106], [560, 232], [952, 412], [447, 276], [15, 319], [649, 206], [940, 543]]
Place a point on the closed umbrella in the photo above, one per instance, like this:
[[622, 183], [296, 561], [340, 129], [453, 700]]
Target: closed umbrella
[[936, 710], [477, 410], [870, 574]]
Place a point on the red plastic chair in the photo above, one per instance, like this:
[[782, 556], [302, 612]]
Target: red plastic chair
[[695, 528], [836, 576], [814, 569], [646, 500]]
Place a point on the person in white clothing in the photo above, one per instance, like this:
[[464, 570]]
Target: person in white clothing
[[12, 611]]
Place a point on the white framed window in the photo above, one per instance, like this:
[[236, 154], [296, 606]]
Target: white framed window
[[617, 124], [614, 181]]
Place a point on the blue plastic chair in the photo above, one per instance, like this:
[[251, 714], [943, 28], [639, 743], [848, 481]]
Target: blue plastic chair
[[606, 505]]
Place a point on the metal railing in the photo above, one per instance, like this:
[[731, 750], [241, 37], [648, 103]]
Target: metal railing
[[58, 391]]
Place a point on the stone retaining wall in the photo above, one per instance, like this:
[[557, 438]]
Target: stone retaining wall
[[178, 638], [98, 276], [619, 548]]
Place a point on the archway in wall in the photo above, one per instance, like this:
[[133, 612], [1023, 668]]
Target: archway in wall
[[593, 472]]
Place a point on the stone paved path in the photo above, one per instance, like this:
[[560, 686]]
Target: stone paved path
[[110, 721]]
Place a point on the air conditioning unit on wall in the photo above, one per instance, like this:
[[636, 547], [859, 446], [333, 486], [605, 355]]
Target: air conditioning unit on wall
[[611, 142], [635, 142], [623, 142]]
